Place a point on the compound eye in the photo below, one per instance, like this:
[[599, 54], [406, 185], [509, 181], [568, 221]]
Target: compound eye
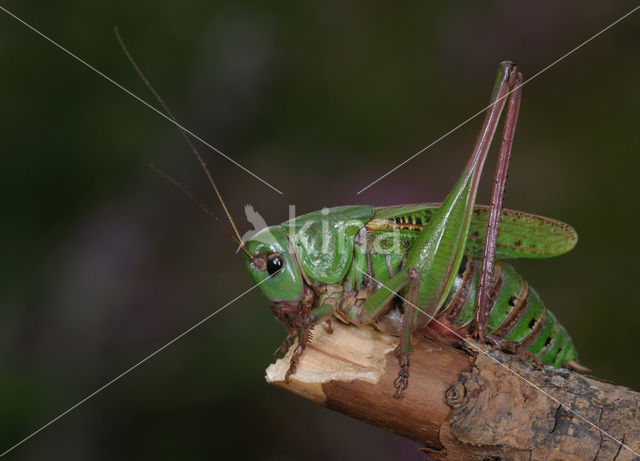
[[274, 263]]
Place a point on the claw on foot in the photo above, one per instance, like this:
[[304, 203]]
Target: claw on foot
[[328, 327], [280, 352], [575, 366], [402, 381], [290, 371], [531, 356], [284, 347], [294, 362], [515, 348]]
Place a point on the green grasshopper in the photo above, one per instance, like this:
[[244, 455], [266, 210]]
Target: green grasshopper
[[427, 267]]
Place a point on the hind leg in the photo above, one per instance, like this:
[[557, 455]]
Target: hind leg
[[515, 348], [486, 276]]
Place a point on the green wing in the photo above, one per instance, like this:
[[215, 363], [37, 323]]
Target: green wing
[[521, 235]]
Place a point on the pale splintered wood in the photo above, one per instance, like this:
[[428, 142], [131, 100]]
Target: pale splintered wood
[[345, 355], [353, 369], [464, 406]]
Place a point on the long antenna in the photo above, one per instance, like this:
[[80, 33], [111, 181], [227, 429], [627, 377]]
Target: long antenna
[[184, 134], [202, 206]]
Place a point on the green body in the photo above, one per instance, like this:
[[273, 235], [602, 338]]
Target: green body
[[516, 311], [416, 267], [377, 242]]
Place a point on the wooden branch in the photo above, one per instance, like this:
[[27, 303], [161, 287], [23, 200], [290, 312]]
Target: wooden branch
[[465, 406]]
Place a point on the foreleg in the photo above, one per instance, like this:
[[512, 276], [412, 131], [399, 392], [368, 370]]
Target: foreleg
[[286, 344], [303, 333], [303, 338], [288, 341]]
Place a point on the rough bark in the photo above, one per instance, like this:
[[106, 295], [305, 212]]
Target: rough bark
[[466, 405]]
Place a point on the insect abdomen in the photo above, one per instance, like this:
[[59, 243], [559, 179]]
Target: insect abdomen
[[516, 314]]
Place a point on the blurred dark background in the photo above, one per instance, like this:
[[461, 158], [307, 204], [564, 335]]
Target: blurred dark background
[[103, 261]]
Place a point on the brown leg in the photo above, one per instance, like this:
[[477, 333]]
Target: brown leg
[[575, 366], [304, 333], [515, 348], [402, 351], [402, 381], [486, 276], [284, 347], [303, 338]]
